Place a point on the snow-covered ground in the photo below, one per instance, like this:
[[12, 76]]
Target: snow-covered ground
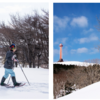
[[38, 88], [89, 92], [74, 63]]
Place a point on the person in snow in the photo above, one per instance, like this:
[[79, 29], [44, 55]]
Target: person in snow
[[9, 65]]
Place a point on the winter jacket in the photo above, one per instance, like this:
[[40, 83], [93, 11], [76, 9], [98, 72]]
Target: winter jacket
[[9, 63]]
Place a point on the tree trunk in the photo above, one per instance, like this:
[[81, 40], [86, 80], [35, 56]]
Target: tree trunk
[[30, 64], [33, 63], [39, 60]]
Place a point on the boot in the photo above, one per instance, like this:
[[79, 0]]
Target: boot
[[2, 81], [14, 82]]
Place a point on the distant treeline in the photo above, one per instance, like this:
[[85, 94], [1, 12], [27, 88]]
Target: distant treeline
[[97, 61]]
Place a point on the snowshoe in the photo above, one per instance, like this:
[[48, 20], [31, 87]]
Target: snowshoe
[[3, 84], [17, 84], [21, 84]]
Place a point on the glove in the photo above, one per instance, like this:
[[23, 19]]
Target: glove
[[13, 57], [16, 60]]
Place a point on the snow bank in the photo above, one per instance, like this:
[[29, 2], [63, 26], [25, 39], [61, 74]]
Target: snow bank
[[89, 92], [38, 89], [74, 63]]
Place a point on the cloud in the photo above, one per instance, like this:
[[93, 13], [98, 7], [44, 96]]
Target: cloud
[[85, 50], [87, 31], [55, 52], [10, 7], [22, 8], [60, 40], [79, 21], [60, 23], [91, 38], [79, 50], [82, 50], [94, 51]]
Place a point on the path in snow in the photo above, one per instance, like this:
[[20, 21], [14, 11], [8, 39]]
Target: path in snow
[[38, 89]]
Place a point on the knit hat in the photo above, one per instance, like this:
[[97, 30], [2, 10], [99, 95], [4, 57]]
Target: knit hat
[[12, 47]]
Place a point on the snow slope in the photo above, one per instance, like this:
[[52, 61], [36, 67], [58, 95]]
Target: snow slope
[[38, 89], [74, 63], [89, 92]]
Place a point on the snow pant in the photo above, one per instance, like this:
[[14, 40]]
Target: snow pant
[[9, 71]]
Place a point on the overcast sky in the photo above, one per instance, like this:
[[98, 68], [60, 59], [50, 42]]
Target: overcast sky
[[9, 8]]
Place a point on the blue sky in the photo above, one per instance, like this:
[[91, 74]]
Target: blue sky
[[74, 27]]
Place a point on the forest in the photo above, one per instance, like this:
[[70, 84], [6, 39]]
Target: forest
[[30, 34], [69, 78]]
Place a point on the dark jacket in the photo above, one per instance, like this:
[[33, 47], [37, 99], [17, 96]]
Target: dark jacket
[[9, 63]]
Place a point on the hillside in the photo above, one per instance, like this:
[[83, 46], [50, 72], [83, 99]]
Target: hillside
[[68, 78], [89, 92]]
